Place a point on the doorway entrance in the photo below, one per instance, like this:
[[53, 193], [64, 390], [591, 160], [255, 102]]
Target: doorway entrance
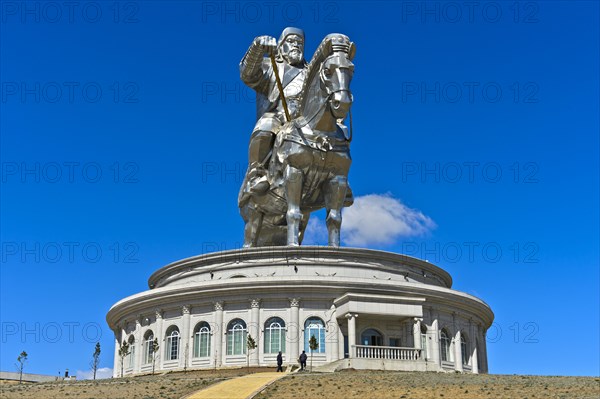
[[371, 337]]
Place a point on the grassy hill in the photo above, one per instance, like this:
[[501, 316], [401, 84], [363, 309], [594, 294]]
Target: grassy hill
[[344, 385]]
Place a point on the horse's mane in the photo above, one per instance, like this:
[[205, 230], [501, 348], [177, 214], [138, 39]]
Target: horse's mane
[[334, 42]]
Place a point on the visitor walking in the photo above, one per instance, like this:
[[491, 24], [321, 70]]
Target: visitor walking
[[303, 358]]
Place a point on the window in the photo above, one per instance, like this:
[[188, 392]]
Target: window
[[131, 355], [395, 342], [172, 346], [372, 337], [148, 342], [274, 335], [314, 326], [445, 346], [236, 337], [463, 349], [202, 340]]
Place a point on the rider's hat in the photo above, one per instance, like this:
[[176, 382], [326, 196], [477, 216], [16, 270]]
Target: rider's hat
[[291, 31]]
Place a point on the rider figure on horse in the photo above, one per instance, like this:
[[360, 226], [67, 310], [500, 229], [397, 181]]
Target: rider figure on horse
[[257, 72], [299, 152]]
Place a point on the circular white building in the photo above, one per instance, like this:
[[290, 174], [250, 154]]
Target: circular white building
[[367, 310]]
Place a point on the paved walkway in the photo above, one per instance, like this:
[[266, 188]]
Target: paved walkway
[[237, 388]]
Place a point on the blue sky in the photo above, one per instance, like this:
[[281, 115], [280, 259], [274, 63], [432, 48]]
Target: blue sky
[[124, 132]]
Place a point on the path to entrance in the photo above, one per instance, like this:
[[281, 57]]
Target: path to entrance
[[238, 388]]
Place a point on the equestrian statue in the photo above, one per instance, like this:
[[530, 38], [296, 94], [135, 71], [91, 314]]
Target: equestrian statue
[[299, 152]]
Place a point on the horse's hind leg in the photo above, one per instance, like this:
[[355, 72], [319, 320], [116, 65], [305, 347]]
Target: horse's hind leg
[[335, 192], [293, 194]]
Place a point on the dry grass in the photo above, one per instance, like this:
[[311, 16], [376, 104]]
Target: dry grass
[[388, 384], [348, 384], [167, 386]]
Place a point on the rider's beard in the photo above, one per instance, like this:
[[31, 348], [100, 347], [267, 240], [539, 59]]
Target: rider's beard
[[294, 57]]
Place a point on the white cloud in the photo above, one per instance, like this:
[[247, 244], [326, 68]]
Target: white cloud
[[382, 219], [102, 372], [375, 219]]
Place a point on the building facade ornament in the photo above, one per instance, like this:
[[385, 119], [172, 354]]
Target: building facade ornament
[[255, 303]]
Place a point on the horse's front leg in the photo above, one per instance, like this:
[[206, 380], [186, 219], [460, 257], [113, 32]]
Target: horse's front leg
[[293, 194], [335, 192]]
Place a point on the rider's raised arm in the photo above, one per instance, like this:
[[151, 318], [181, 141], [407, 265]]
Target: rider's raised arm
[[253, 69]]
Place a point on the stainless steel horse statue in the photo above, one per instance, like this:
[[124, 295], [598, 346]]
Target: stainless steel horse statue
[[309, 165]]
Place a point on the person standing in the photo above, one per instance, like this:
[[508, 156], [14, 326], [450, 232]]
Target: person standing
[[279, 362]]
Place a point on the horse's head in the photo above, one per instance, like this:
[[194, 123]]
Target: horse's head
[[328, 78], [336, 74]]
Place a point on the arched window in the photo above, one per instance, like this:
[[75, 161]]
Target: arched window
[[445, 346], [463, 349], [148, 346], [371, 337], [202, 340], [274, 335], [314, 326], [172, 343], [423, 341], [131, 355], [236, 337]]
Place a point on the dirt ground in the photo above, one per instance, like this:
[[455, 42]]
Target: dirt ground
[[167, 386], [388, 384], [343, 385]]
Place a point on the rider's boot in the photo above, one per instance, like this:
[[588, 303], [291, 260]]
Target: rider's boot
[[260, 146]]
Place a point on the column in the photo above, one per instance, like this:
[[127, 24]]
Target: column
[[457, 353], [483, 343], [417, 333], [417, 336], [293, 332], [160, 336], [473, 342], [139, 338], [117, 363], [185, 349], [433, 336], [218, 334], [475, 361], [352, 334], [333, 347], [254, 330], [340, 336]]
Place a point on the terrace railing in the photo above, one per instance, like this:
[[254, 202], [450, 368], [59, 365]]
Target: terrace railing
[[387, 352]]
